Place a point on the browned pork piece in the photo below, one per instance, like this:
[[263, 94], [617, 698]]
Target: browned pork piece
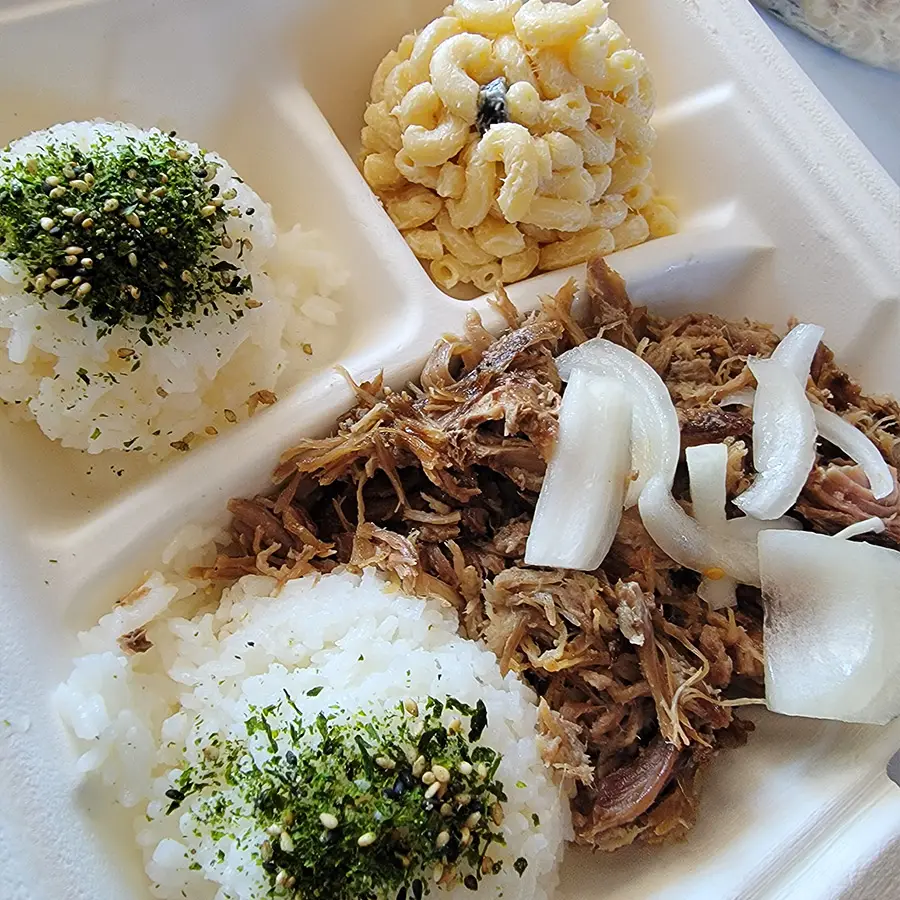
[[436, 485]]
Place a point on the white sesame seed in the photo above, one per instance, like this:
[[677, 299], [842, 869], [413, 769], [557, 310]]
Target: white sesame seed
[[56, 193], [446, 810], [132, 260], [281, 877], [207, 211], [59, 284], [432, 790], [87, 223], [75, 251], [455, 726], [428, 778], [110, 205], [274, 830], [465, 768], [52, 181], [418, 767], [183, 155], [87, 262], [79, 185], [89, 178], [441, 773], [133, 219], [286, 842], [70, 212], [367, 839], [481, 769], [40, 283], [47, 223], [83, 289], [463, 799], [385, 763], [465, 836], [497, 814], [438, 873], [473, 820], [411, 707], [442, 840], [328, 821]]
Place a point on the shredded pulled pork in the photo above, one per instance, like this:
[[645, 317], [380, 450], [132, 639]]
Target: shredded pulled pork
[[436, 485]]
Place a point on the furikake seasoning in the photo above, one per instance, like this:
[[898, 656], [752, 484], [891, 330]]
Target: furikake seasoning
[[125, 229], [366, 806]]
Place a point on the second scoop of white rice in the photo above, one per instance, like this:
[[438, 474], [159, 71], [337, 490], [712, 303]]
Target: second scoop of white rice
[[94, 388], [335, 641]]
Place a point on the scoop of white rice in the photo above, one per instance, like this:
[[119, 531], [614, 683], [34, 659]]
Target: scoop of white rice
[[141, 719], [113, 391]]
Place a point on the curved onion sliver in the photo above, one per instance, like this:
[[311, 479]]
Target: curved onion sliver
[[846, 437], [797, 349], [655, 433], [580, 503], [874, 525], [858, 447], [784, 441], [691, 544]]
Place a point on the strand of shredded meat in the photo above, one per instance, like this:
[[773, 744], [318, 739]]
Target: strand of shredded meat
[[436, 486]]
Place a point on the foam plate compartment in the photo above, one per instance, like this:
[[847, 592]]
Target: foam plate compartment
[[784, 214]]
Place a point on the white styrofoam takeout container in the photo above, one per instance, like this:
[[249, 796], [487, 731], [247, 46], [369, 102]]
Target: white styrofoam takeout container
[[784, 213]]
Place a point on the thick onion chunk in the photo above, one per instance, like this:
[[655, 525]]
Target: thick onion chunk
[[581, 500], [832, 617], [655, 433]]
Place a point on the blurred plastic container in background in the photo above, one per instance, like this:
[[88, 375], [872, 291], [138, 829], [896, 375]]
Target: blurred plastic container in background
[[867, 30]]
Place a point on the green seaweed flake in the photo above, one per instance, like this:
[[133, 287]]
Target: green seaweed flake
[[363, 806], [126, 230]]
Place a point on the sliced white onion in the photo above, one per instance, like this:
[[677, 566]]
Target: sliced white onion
[[655, 433], [580, 503], [690, 544], [846, 437], [730, 549], [797, 349], [784, 441], [873, 525], [832, 617], [745, 528], [718, 593], [859, 448], [707, 470]]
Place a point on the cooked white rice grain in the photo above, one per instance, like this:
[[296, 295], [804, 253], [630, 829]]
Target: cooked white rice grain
[[137, 717], [55, 370]]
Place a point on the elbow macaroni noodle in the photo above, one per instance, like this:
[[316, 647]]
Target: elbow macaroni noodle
[[544, 169]]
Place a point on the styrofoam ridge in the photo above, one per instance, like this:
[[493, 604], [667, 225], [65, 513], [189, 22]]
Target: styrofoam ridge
[[828, 228]]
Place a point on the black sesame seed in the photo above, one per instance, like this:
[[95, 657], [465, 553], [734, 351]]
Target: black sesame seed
[[471, 882], [175, 794]]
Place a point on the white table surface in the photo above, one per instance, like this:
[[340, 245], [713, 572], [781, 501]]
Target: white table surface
[[868, 99]]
